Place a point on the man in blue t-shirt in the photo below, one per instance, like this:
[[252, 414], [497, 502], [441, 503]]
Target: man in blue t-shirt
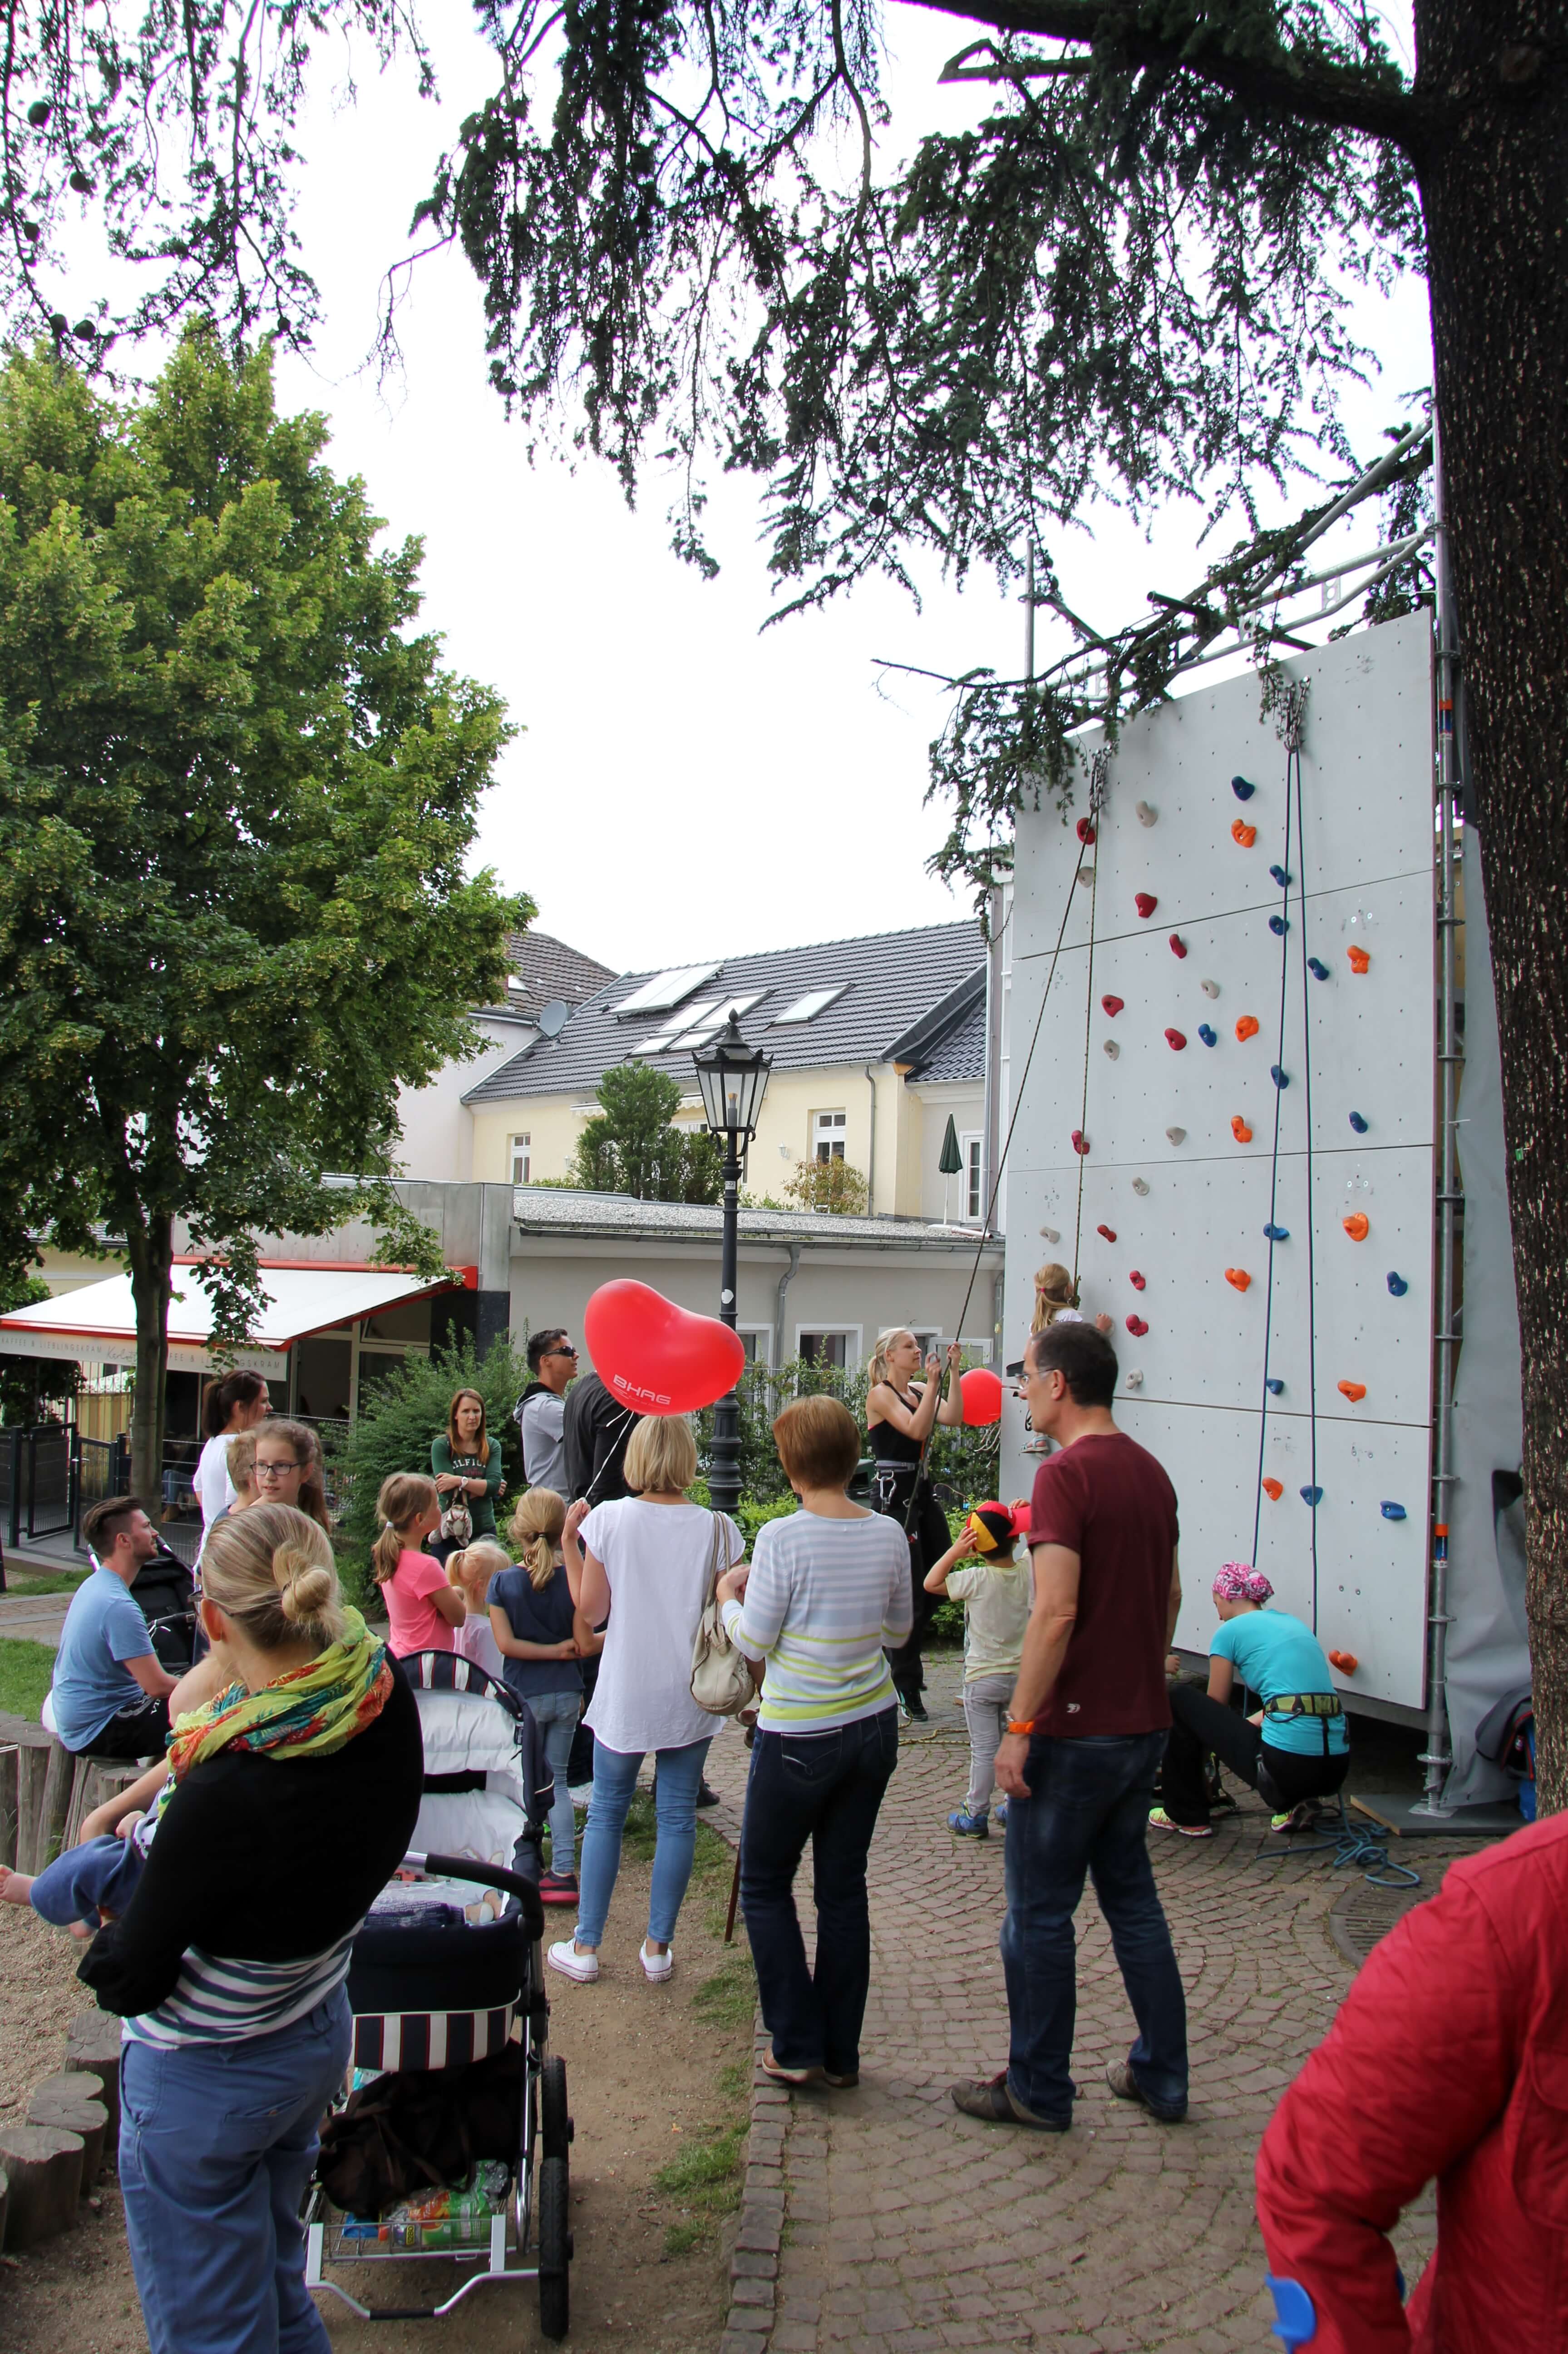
[[110, 1693]]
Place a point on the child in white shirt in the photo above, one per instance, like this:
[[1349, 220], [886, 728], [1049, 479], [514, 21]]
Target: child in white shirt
[[995, 1596]]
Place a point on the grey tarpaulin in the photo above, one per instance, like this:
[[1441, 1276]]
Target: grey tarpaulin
[[1487, 1651]]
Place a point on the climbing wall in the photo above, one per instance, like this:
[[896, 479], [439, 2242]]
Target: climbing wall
[[1218, 1048]]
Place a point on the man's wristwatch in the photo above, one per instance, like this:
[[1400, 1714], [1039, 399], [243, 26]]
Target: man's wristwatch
[[1021, 1724]]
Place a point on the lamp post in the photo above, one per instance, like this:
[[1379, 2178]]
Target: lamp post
[[733, 1077]]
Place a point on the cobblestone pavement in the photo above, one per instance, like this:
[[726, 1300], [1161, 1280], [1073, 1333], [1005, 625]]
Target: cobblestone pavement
[[907, 2226]]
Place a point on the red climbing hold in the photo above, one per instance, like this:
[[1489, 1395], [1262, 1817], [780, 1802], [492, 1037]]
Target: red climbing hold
[[1178, 945], [1273, 1490], [1108, 1232], [1240, 1130], [1146, 903], [1137, 1327], [1354, 1390], [1238, 1276], [1359, 959], [1242, 833], [1175, 1040], [1080, 1141], [1246, 1028], [1085, 829], [1358, 1225], [1113, 1005], [1346, 1662], [1137, 1280]]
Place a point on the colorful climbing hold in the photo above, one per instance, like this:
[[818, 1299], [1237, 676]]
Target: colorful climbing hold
[[1392, 1511], [1279, 926], [1274, 1489], [1141, 1185], [1145, 812], [1113, 1005], [1246, 1027], [1358, 958], [1358, 1225], [1243, 833], [1242, 790], [1346, 1662], [1108, 1232], [1085, 829], [1281, 1078], [1209, 988], [1358, 1123], [1238, 1276], [1317, 969], [1277, 1233], [1274, 1385], [1112, 1049], [1210, 1037], [1397, 1285], [1176, 1135], [1146, 903], [1240, 1130], [1137, 1327], [1175, 1040], [1354, 1390], [1080, 1141], [1138, 1281], [1281, 876], [1178, 945], [1313, 1496]]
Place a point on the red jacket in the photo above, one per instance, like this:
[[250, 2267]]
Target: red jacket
[[1449, 2058]]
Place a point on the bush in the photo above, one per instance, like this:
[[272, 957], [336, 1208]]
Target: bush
[[395, 1428], [964, 1464], [832, 1185]]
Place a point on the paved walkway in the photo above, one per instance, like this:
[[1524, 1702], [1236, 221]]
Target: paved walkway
[[33, 1617], [906, 2227]]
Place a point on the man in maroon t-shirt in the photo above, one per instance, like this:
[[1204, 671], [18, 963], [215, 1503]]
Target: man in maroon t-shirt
[[1088, 1729]]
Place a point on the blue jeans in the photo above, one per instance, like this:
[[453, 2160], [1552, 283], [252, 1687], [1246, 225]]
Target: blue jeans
[[216, 2144], [1087, 1811], [825, 1787], [614, 1782], [555, 1714]]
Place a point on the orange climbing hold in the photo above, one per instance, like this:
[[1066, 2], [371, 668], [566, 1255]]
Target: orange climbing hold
[[1273, 1490], [1358, 1225], [1238, 1276], [1346, 1662], [1240, 1130], [1354, 1390], [1359, 959], [1246, 1027], [1243, 833]]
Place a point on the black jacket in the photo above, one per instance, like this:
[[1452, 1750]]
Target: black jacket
[[598, 1433]]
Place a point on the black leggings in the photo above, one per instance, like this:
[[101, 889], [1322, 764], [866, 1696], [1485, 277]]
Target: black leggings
[[1199, 1724], [930, 1542]]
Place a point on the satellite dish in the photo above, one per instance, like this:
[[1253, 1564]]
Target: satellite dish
[[553, 1018]]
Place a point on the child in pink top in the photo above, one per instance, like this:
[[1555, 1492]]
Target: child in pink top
[[422, 1607]]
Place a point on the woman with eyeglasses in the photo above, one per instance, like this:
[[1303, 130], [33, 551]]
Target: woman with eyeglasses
[[465, 1462], [288, 1470]]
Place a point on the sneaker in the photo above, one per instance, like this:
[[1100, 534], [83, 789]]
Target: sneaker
[[1303, 1818], [1159, 1821], [995, 2106], [1001, 1816], [656, 1967], [916, 1707], [565, 1959], [970, 1825], [1126, 2086], [557, 1888], [706, 1798]]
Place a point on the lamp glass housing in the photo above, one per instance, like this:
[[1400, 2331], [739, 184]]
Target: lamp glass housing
[[733, 1077]]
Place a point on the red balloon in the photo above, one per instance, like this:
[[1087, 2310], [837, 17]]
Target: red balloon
[[981, 1389], [656, 1357]]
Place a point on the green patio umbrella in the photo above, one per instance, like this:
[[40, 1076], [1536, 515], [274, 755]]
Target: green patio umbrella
[[951, 1161]]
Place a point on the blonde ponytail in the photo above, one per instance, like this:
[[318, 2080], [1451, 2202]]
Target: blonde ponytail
[[878, 1367], [1054, 1290], [404, 1498], [272, 1570], [536, 1526]]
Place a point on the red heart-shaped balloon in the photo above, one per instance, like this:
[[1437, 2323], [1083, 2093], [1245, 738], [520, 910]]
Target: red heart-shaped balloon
[[1146, 903], [981, 1389], [656, 1357], [1137, 1327], [1138, 1281], [1113, 1005]]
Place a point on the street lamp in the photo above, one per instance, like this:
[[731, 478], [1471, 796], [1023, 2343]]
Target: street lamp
[[733, 1077]]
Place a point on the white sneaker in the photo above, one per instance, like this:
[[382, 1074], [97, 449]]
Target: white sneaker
[[565, 1959], [656, 1966]]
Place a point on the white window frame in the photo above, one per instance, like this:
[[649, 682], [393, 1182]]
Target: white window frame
[[853, 1339], [526, 1156], [832, 1129], [972, 1147], [763, 1336]]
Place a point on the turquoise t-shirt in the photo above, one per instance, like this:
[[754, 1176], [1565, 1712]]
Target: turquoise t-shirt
[[1274, 1652]]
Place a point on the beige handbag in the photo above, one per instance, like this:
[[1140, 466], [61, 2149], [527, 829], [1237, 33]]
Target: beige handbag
[[721, 1674]]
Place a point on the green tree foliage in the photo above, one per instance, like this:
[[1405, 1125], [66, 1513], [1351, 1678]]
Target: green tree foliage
[[833, 1185], [963, 1462], [632, 1145], [236, 802], [32, 1389]]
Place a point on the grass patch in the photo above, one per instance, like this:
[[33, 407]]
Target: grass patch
[[680, 2239], [48, 1581], [25, 1670], [705, 2177], [728, 1998]]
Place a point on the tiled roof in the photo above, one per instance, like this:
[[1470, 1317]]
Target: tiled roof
[[894, 984], [548, 969], [959, 1053], [552, 1209]]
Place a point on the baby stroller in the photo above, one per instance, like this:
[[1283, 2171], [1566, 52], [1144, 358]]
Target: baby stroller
[[436, 1996]]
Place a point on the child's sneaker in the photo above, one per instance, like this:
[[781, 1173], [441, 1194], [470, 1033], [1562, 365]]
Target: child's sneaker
[[1001, 1816], [558, 1887], [1159, 1821], [970, 1825]]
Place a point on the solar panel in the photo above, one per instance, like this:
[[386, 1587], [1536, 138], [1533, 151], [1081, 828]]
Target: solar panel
[[807, 1008], [666, 989]]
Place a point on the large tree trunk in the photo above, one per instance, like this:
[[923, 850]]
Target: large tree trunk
[[149, 1251], [1496, 199]]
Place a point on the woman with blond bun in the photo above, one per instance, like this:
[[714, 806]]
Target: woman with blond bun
[[531, 1618], [422, 1607], [899, 1412], [295, 1793]]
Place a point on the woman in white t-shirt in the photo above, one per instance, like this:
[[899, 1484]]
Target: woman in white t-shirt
[[236, 1403], [646, 1560]]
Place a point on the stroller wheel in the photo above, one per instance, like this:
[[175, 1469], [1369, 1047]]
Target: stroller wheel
[[556, 2123], [555, 2249]]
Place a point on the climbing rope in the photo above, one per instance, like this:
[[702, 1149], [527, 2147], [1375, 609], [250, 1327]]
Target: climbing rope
[[1099, 767], [1272, 1229], [1295, 721], [1349, 1848]]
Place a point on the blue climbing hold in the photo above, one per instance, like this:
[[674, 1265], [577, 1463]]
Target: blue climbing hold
[[1393, 1512], [1210, 1037], [1242, 790], [1274, 1387], [1279, 926], [1295, 2315], [1277, 1233], [1317, 969], [1358, 1123], [1397, 1285], [1313, 1496], [1281, 1078], [1281, 876]]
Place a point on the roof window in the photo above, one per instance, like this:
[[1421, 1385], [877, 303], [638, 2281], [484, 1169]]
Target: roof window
[[807, 1008], [666, 989]]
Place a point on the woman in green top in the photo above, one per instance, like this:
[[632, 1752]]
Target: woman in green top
[[467, 1466]]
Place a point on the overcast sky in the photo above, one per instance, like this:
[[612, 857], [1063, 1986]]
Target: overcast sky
[[688, 785]]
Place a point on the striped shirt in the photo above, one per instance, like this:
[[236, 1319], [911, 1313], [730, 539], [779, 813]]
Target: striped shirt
[[826, 1598], [219, 2000]]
